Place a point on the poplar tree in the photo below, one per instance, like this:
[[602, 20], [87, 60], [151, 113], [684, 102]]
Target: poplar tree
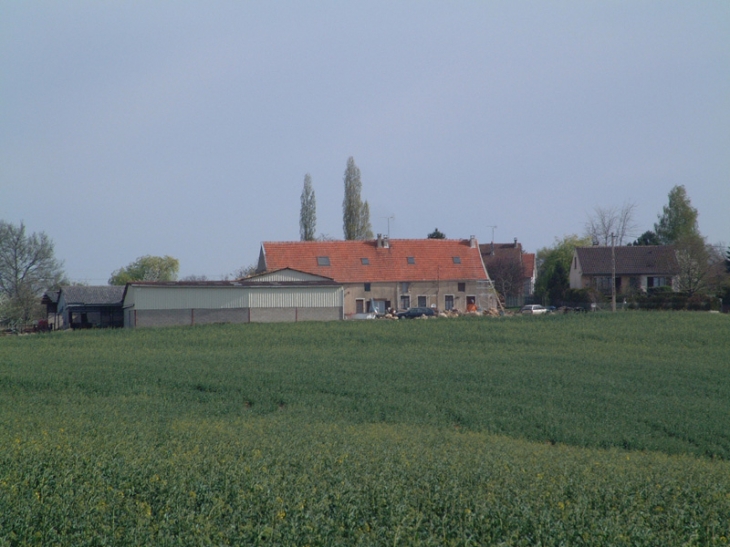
[[355, 213], [308, 212]]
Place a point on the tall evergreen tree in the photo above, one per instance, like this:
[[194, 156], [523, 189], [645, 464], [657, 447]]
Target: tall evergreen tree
[[355, 213], [308, 212], [678, 219]]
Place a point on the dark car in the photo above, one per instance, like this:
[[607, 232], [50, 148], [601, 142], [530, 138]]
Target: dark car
[[415, 312]]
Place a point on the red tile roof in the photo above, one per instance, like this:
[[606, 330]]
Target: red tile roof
[[433, 259]]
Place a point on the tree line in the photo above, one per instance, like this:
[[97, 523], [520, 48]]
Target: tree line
[[703, 269], [28, 266]]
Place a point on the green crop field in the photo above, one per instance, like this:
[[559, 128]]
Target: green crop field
[[593, 429]]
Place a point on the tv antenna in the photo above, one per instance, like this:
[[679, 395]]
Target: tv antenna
[[391, 217], [493, 228]]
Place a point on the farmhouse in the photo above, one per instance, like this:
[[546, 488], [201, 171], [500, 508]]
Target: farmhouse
[[282, 295], [383, 273], [638, 268]]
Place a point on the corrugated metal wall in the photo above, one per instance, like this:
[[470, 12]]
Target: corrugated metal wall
[[320, 297], [175, 298], [285, 275]]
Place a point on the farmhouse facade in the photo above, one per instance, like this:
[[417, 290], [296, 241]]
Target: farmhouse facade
[[638, 268], [277, 296], [383, 274]]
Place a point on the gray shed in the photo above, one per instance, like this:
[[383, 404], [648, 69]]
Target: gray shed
[[81, 307]]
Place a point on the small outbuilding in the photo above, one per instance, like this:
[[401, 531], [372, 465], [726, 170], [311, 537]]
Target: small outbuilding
[[82, 307], [277, 296]]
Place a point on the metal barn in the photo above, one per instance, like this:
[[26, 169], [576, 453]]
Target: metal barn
[[279, 296]]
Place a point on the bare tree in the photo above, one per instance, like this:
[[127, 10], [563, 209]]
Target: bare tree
[[611, 220], [243, 271], [507, 274]]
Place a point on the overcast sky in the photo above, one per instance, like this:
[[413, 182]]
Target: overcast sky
[[186, 128]]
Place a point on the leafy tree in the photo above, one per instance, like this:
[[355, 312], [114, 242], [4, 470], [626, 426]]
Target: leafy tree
[[647, 238], [308, 211], [147, 268], [678, 218], [727, 260], [355, 213], [611, 220], [554, 267], [28, 267], [436, 234]]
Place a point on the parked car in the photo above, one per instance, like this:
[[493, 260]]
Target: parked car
[[415, 312], [533, 309]]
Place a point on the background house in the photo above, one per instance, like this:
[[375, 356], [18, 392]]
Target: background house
[[513, 271], [638, 268], [282, 295], [382, 273], [80, 307]]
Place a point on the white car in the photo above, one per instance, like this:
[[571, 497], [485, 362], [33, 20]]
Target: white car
[[533, 309]]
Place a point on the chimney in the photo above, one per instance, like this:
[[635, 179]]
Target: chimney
[[379, 241], [472, 241], [386, 242], [515, 242]]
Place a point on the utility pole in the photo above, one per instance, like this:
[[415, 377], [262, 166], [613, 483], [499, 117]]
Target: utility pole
[[613, 273]]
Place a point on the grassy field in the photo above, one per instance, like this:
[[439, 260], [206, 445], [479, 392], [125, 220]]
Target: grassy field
[[596, 429]]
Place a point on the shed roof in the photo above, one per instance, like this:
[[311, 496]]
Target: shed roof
[[106, 295], [630, 260], [50, 297], [365, 261]]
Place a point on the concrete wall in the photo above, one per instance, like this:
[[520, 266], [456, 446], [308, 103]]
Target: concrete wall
[[170, 318]]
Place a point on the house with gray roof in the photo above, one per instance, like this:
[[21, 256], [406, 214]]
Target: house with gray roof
[[638, 268], [80, 307]]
